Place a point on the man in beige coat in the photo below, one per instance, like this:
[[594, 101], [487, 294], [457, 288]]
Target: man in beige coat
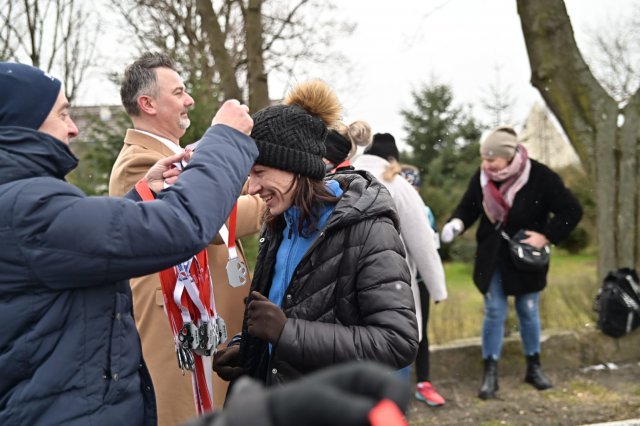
[[156, 100]]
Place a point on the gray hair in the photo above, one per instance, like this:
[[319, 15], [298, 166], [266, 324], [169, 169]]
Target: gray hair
[[140, 79]]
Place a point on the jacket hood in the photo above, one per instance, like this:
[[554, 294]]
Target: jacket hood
[[26, 153], [363, 198]]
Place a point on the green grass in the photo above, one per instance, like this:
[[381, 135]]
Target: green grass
[[565, 304], [250, 248]]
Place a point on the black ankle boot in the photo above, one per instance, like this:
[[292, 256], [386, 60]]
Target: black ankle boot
[[489, 380], [534, 375]]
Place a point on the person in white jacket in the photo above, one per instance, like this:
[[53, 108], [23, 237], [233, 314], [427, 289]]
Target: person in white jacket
[[380, 158]]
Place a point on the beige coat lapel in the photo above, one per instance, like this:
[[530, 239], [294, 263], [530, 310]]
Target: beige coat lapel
[[134, 137], [138, 154]]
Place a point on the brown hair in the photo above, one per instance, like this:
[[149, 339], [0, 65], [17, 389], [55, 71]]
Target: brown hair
[[140, 78], [308, 195]]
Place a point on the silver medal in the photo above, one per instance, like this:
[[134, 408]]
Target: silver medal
[[236, 272], [236, 268]]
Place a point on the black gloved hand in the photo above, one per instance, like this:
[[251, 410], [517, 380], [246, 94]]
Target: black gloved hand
[[265, 319], [351, 394], [340, 396], [226, 363]]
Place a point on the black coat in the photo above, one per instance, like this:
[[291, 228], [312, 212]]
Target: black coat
[[69, 350], [543, 205], [350, 296]]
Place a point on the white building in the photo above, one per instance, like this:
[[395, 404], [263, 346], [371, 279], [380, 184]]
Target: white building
[[545, 142]]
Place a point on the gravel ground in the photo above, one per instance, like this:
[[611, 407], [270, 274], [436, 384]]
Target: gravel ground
[[585, 396]]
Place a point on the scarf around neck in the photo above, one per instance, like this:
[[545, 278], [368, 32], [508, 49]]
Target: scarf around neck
[[497, 200]]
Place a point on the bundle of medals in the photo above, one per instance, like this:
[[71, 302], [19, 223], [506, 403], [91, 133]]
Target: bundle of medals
[[198, 334], [197, 329]]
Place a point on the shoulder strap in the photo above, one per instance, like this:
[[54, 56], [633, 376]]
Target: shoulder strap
[[142, 188]]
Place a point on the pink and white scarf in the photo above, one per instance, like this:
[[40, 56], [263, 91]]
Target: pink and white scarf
[[497, 201]]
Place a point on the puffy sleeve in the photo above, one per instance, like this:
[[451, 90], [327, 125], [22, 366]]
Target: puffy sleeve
[[419, 238], [72, 240], [389, 330]]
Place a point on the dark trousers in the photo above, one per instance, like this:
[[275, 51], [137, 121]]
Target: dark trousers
[[422, 360]]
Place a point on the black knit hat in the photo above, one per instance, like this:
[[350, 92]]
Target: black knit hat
[[291, 139], [338, 147], [384, 146]]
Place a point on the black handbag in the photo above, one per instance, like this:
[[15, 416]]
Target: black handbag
[[524, 256]]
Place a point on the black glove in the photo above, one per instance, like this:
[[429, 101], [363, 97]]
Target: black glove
[[265, 319], [226, 363], [345, 395], [340, 396]]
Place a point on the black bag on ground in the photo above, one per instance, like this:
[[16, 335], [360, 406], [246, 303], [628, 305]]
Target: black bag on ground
[[618, 302]]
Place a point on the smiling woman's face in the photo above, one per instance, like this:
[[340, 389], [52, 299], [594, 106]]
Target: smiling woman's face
[[274, 186]]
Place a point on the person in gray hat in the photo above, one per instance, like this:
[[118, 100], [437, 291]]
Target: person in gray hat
[[330, 283], [528, 201]]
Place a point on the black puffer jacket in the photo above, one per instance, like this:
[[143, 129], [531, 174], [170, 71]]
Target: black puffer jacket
[[350, 296], [543, 205]]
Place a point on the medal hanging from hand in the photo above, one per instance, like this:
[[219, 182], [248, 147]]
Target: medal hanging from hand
[[189, 303]]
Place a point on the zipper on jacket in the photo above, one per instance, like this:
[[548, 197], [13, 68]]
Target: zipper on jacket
[[306, 256], [290, 220]]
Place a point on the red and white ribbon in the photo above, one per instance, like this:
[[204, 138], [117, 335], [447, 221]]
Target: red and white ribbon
[[236, 268], [187, 290]]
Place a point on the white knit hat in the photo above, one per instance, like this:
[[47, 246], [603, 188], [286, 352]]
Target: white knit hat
[[501, 142]]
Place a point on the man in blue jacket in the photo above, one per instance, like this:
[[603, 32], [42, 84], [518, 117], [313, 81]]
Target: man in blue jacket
[[69, 350]]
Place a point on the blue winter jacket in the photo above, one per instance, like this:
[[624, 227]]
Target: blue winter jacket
[[69, 350]]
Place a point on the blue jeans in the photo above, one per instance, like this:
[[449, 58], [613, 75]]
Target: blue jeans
[[495, 314]]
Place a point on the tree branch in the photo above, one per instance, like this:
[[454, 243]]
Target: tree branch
[[557, 65]]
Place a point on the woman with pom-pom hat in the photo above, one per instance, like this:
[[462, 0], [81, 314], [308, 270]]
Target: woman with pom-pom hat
[[331, 284]]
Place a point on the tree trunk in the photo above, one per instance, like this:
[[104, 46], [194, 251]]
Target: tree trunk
[[258, 84], [605, 137], [224, 62]]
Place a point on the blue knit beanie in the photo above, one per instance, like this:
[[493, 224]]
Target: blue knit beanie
[[27, 95]]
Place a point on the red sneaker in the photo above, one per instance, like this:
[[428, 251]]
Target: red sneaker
[[426, 393]]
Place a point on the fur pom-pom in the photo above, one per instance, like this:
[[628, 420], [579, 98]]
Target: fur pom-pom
[[318, 99]]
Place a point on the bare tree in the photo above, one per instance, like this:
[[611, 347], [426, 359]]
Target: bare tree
[[605, 134], [50, 34], [498, 100], [229, 47], [615, 56]]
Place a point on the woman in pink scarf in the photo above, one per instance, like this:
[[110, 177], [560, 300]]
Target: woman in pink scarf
[[526, 199]]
